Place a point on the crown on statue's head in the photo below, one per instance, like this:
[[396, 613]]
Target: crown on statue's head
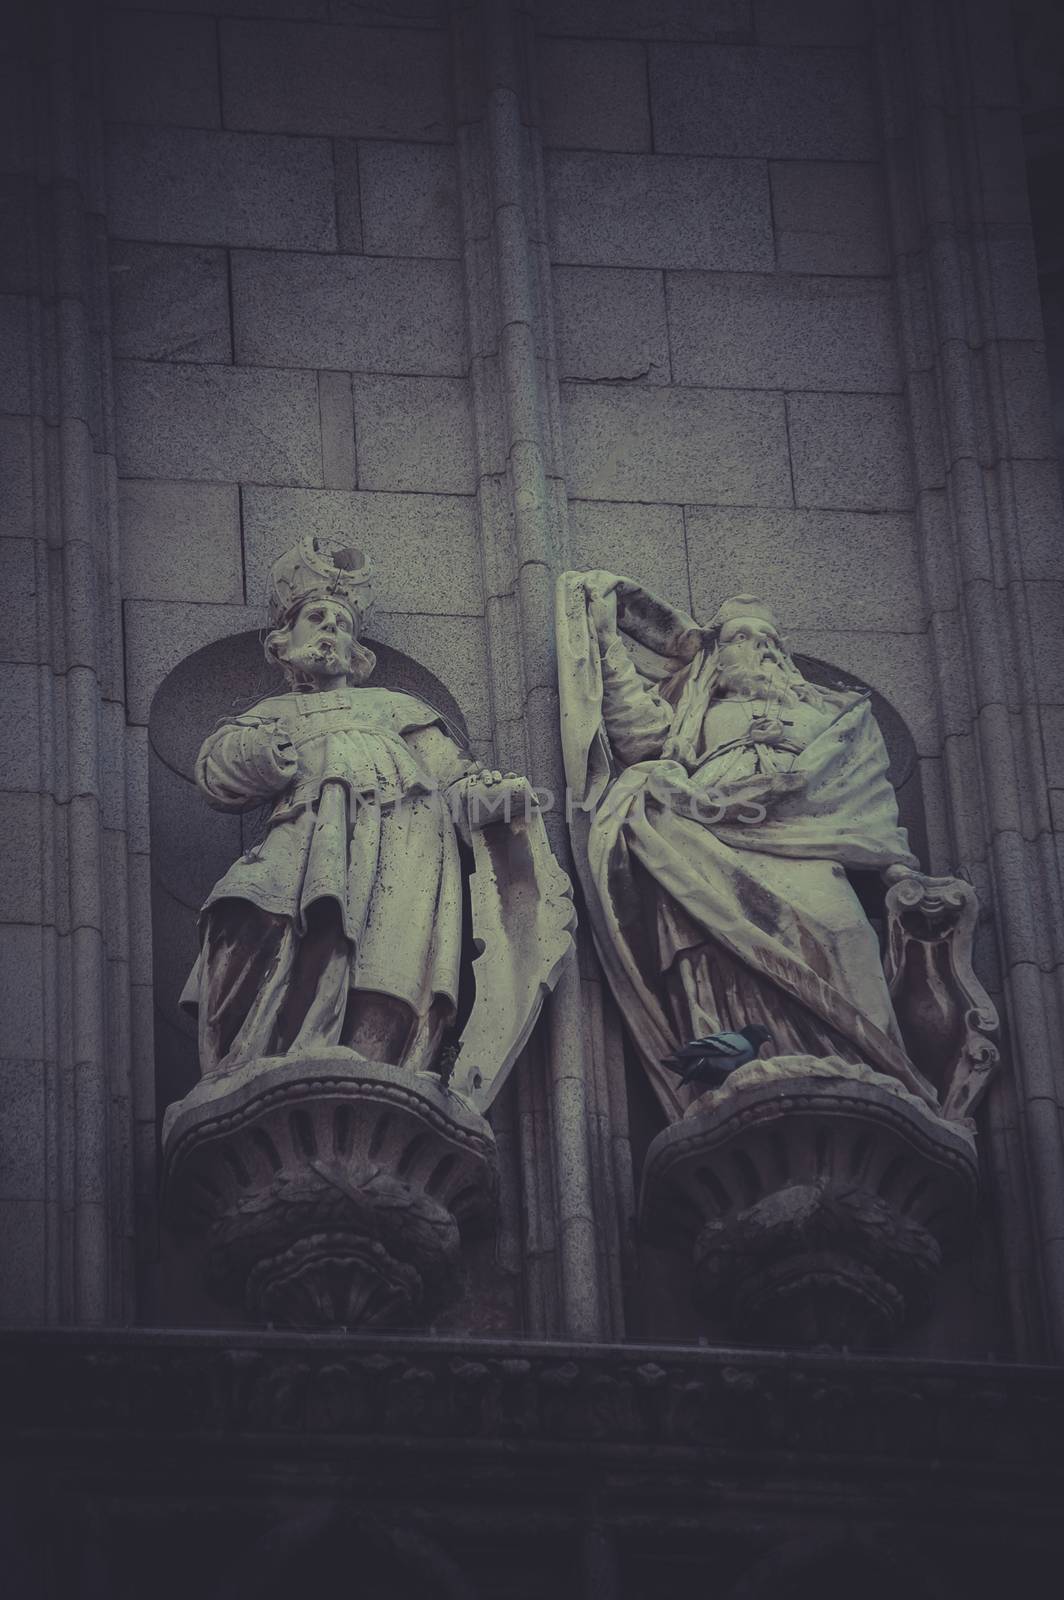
[[307, 572], [742, 605]]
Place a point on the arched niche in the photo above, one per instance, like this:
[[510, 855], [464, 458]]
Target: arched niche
[[191, 845]]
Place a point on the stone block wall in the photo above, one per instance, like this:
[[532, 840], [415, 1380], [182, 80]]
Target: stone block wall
[[288, 315], [723, 294], [727, 332]]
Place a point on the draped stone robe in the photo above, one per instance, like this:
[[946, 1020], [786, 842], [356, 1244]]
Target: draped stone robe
[[715, 866], [348, 914]]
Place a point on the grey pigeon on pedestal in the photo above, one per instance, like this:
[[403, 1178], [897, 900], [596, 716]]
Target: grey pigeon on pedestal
[[710, 1060]]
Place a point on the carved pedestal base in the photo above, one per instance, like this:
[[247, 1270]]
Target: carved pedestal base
[[328, 1190], [819, 1198]]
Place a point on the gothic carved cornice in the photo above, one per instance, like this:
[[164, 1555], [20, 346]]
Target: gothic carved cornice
[[959, 1423]]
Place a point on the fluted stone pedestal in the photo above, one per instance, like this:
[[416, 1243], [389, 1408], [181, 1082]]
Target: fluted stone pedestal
[[818, 1199], [327, 1190]]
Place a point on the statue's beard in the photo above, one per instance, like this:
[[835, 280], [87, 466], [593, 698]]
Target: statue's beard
[[319, 659], [753, 679]]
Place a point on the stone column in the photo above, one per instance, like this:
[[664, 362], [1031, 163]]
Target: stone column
[[989, 520], [66, 1215]]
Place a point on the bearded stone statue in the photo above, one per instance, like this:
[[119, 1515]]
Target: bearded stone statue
[[717, 802], [720, 800]]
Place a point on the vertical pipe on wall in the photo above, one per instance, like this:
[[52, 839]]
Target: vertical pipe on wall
[[523, 548]]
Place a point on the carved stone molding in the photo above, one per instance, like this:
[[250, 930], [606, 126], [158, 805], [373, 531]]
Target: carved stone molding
[[328, 1191], [238, 1388], [819, 1199]]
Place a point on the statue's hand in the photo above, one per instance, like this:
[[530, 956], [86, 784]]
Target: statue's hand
[[498, 797]]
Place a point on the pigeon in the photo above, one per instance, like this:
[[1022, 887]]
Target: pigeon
[[710, 1060]]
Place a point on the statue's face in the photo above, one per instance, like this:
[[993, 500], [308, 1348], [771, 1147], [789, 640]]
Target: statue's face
[[751, 657], [320, 640]]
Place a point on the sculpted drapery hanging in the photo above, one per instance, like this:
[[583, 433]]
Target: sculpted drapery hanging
[[718, 800]]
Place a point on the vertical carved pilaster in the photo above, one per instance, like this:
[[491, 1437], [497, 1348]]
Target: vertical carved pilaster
[[78, 990], [975, 383]]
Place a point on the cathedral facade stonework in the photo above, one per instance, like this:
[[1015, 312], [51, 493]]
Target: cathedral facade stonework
[[532, 925]]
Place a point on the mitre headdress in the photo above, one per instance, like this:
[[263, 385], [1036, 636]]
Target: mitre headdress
[[307, 572]]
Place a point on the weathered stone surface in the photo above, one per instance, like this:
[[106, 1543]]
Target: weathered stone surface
[[453, 649], [338, 464], [641, 210], [414, 433], [14, 342], [309, 9], [874, 576], [303, 78], [378, 13], [16, 470], [21, 888], [160, 633], [22, 1154], [22, 1286], [18, 581], [643, 539], [409, 199], [593, 94], [1013, 271], [650, 443], [22, 990], [348, 195], [752, 332], [183, 186], [812, 22], [180, 541], [169, 302], [648, 19], [19, 724], [811, 105], [217, 422], [850, 451], [348, 313], [422, 546], [1037, 486], [17, 267], [1046, 606], [161, 69], [1052, 719], [610, 322], [1029, 405], [829, 216]]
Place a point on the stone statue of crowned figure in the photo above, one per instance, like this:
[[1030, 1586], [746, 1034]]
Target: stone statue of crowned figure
[[344, 925], [338, 1100]]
